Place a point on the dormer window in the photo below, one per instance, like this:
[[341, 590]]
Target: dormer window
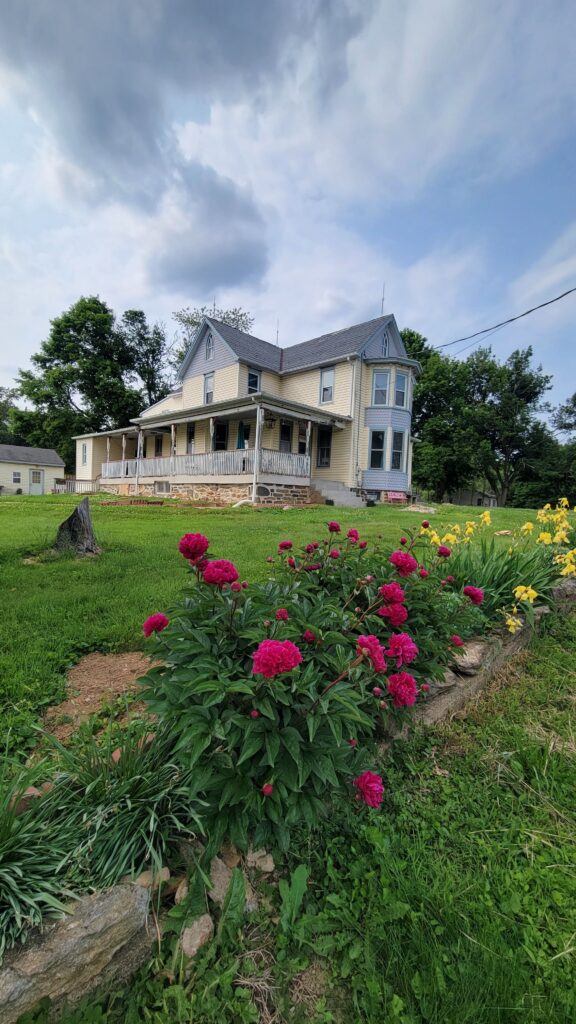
[[209, 343], [327, 385]]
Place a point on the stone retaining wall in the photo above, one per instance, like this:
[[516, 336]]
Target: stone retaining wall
[[228, 494]]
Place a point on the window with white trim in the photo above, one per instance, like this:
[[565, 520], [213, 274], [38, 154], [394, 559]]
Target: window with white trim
[[208, 388], [84, 454], [36, 476], [16, 477], [380, 385], [253, 381], [397, 457], [400, 389], [302, 438], [327, 385], [377, 447], [324, 452], [385, 343], [209, 346], [158, 444]]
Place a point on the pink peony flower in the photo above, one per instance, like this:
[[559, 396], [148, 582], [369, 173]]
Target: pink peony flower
[[334, 553], [371, 647], [310, 549], [308, 636], [403, 540], [475, 594], [377, 691], [392, 593], [193, 546], [444, 552], [403, 688], [219, 572], [236, 587], [353, 535], [456, 640], [291, 562], [425, 687], [363, 544], [402, 648], [449, 579], [334, 527], [282, 615], [273, 657], [395, 613], [285, 545], [404, 563], [424, 573], [267, 789], [311, 568], [155, 624], [370, 789]]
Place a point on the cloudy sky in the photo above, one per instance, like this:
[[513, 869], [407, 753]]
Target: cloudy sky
[[289, 156]]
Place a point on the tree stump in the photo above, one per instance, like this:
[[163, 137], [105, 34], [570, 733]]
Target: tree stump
[[77, 533]]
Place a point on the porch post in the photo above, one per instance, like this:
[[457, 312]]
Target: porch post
[[139, 449], [308, 436], [257, 450], [107, 449], [172, 448], [123, 454], [211, 433]]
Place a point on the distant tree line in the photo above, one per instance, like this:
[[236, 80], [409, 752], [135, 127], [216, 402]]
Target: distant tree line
[[479, 419]]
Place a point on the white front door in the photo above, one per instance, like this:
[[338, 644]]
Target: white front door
[[36, 481]]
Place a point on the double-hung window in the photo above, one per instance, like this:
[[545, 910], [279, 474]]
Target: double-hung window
[[209, 346], [220, 439], [324, 447], [17, 477], [327, 385], [377, 446], [158, 441], [84, 455], [397, 458], [190, 436], [208, 388], [302, 438], [380, 385], [253, 381], [400, 389]]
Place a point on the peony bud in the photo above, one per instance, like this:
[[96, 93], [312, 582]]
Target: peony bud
[[377, 691], [267, 789], [254, 713]]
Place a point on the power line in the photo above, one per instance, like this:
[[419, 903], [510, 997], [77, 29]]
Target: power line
[[510, 320]]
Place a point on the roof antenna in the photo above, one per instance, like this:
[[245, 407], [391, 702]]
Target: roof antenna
[[383, 296], [277, 330]]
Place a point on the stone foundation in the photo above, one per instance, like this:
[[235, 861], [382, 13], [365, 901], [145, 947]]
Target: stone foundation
[[227, 494]]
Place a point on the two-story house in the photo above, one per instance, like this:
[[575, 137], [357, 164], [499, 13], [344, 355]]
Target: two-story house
[[252, 421]]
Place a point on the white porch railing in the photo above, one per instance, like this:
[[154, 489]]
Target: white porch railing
[[77, 487], [232, 463]]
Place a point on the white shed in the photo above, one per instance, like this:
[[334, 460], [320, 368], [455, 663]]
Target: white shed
[[29, 470]]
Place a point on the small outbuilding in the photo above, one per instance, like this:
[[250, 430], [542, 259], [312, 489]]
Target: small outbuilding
[[26, 470]]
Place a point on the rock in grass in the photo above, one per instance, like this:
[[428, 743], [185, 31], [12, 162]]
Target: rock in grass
[[220, 876], [197, 935], [261, 860], [470, 658]]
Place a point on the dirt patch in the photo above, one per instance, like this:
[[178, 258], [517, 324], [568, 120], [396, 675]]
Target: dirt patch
[[96, 679]]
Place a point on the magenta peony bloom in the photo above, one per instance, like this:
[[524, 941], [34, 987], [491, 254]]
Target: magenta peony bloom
[[155, 624], [403, 688], [353, 535], [444, 552], [219, 572], [193, 546], [395, 613], [456, 640], [363, 544], [402, 648], [282, 615], [370, 788], [273, 657], [371, 647], [310, 568], [403, 562], [392, 593], [424, 573], [291, 562], [334, 553], [236, 587], [475, 594], [425, 524], [308, 636], [334, 527], [285, 545], [267, 789], [310, 549], [403, 540]]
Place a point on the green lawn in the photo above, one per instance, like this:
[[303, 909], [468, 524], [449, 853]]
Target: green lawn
[[55, 610]]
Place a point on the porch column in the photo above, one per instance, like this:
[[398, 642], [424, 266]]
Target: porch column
[[139, 450], [211, 433], [172, 448], [308, 446], [107, 450], [123, 454], [257, 451]]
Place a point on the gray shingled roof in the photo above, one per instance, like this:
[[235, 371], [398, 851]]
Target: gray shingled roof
[[327, 347], [30, 456]]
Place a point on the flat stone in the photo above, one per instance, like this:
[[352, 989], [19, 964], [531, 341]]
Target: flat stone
[[152, 879], [22, 801], [470, 658], [230, 855], [181, 892], [197, 935], [261, 860], [93, 945], [220, 876]]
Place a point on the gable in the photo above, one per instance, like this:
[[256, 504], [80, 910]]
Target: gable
[[196, 364], [388, 333]]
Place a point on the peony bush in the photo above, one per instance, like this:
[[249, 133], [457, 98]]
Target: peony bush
[[274, 692]]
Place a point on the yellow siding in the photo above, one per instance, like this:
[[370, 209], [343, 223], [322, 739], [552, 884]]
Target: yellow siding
[[225, 387], [172, 403], [304, 387], [51, 474], [269, 381], [339, 468]]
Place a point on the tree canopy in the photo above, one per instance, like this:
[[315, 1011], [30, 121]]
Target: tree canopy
[[189, 320], [92, 373]]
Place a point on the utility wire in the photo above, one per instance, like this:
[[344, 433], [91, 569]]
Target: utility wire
[[509, 321]]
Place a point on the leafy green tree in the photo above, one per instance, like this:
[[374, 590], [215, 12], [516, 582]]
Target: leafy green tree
[[548, 473], [564, 417], [149, 351], [189, 321], [83, 379], [8, 407]]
